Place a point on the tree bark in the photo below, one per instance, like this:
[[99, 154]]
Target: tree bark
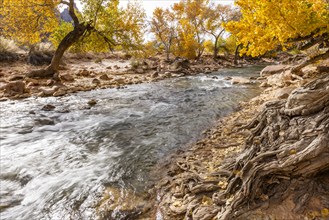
[[298, 68], [236, 54]]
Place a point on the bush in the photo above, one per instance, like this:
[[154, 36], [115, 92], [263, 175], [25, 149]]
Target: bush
[[8, 50]]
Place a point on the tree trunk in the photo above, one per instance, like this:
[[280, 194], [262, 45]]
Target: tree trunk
[[68, 40], [298, 68], [236, 54], [215, 49]]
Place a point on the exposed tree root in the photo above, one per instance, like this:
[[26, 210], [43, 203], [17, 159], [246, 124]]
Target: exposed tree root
[[288, 141], [285, 157]]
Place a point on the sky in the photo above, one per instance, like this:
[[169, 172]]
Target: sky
[[150, 5]]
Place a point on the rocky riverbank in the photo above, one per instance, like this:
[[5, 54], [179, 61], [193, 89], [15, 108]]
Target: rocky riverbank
[[215, 177], [88, 72]]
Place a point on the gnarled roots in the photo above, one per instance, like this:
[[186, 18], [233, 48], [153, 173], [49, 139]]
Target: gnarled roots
[[288, 146]]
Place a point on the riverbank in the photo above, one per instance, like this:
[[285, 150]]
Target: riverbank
[[89, 72], [199, 183]]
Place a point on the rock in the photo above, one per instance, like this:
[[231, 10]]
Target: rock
[[44, 121], [84, 73], [109, 67], [228, 78], [180, 64], [283, 93], [154, 75], [240, 80], [273, 69], [105, 77], [50, 82], [16, 77], [280, 79], [17, 87], [96, 81], [60, 92], [116, 67], [3, 99], [167, 75], [92, 102], [48, 107], [39, 58], [120, 80], [264, 84], [140, 70], [47, 91], [66, 77]]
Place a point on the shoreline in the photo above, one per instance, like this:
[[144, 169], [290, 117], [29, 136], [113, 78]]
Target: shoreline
[[193, 179], [94, 73]]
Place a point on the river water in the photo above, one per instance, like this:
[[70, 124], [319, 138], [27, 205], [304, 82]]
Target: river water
[[56, 164]]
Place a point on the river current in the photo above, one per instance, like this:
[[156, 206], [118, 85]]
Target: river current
[[56, 164]]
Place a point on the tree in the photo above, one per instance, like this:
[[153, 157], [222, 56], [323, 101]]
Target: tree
[[215, 16], [163, 26], [31, 20], [271, 25], [190, 18]]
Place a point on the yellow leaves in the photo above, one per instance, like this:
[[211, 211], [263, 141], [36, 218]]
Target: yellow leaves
[[28, 21], [268, 24], [292, 151]]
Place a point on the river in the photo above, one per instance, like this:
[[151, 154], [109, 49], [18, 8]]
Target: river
[[56, 164]]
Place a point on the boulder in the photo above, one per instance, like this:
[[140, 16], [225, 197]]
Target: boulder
[[280, 79], [92, 102], [323, 69], [12, 88], [16, 77], [66, 77], [273, 69], [48, 107], [179, 64]]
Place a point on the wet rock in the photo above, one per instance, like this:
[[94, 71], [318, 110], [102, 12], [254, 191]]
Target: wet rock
[[228, 78], [273, 69], [109, 67], [12, 88], [240, 80], [3, 99], [92, 102], [32, 112], [48, 107], [44, 121], [66, 77], [116, 67]]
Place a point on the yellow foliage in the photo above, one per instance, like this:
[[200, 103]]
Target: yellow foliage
[[265, 24], [28, 21]]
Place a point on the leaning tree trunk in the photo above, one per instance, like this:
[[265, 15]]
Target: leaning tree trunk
[[296, 69], [68, 40]]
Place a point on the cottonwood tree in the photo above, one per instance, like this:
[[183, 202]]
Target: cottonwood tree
[[191, 35], [163, 26], [269, 25], [215, 16], [29, 21]]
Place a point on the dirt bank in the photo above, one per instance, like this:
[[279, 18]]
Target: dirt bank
[[88, 72], [251, 166]]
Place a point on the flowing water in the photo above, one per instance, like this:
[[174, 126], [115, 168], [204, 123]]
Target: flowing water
[[56, 164]]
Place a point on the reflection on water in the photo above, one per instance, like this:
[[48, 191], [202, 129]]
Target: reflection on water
[[55, 164]]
